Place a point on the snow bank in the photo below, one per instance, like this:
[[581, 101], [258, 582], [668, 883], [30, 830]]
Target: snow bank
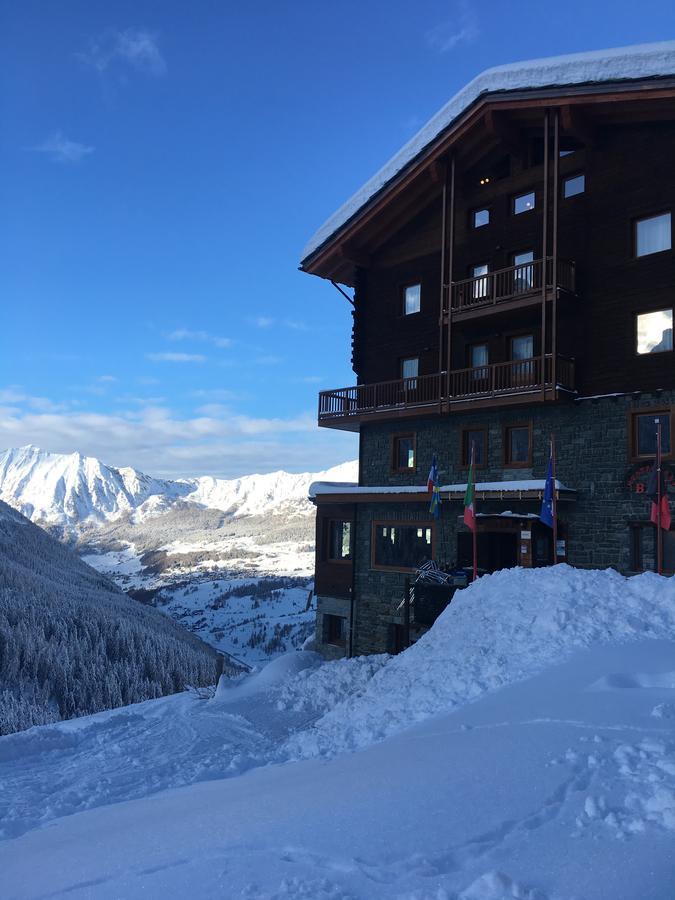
[[504, 628], [618, 64], [277, 672]]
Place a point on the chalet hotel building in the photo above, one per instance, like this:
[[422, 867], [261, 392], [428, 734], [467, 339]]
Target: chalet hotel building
[[512, 275]]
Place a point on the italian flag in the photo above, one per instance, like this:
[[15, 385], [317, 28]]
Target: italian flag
[[469, 500]]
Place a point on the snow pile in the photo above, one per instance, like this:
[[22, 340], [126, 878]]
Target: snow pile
[[618, 64], [504, 628], [72, 489]]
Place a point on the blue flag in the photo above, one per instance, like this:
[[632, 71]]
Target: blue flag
[[546, 514]]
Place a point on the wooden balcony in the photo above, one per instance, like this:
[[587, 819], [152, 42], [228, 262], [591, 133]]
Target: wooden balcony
[[498, 384], [510, 288]]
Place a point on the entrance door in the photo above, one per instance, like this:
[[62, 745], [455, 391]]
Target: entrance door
[[496, 550]]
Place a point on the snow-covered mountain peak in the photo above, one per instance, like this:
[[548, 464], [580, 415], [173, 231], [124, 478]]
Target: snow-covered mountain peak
[[72, 489]]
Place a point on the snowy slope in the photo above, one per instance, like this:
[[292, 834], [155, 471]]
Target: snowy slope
[[72, 643], [72, 490], [618, 64], [545, 780]]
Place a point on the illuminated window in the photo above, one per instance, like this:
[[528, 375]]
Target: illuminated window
[[412, 299], [655, 332], [523, 203], [480, 217], [652, 235], [575, 184]]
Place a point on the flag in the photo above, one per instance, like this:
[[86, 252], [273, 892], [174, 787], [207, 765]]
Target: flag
[[469, 500], [433, 475], [546, 515], [435, 505], [653, 493]]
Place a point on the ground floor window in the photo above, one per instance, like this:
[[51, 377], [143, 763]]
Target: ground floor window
[[643, 548], [401, 545], [334, 630], [669, 552]]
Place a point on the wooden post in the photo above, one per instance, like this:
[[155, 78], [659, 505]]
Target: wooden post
[[544, 249], [554, 504], [554, 266], [406, 615], [659, 540], [441, 323], [451, 253]]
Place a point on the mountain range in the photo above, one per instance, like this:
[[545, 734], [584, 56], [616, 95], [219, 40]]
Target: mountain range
[[73, 491]]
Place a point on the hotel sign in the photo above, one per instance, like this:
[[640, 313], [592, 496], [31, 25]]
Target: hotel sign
[[638, 476]]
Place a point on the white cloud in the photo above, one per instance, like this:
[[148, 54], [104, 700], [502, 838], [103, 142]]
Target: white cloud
[[269, 360], [462, 28], [185, 334], [263, 321], [107, 379], [176, 357], [155, 440], [132, 47], [59, 149]]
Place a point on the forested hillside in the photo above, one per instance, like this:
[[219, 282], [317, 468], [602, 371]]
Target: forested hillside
[[71, 643]]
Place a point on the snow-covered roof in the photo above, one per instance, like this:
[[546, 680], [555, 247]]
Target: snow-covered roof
[[524, 484], [619, 64]]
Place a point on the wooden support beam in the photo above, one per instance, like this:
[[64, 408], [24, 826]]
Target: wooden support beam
[[576, 122], [500, 127]]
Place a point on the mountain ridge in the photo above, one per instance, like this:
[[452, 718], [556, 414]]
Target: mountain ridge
[[69, 490]]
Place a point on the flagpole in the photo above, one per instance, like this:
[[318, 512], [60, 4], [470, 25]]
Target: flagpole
[[475, 521], [659, 546], [554, 504]]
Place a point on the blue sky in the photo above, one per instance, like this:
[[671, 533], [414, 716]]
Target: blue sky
[[163, 164]]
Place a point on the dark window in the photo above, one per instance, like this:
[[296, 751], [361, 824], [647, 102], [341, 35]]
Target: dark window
[[339, 540], [412, 299], [523, 203], [668, 551], [644, 433], [404, 453], [401, 546], [654, 331], [480, 217], [652, 235], [637, 555], [334, 630], [477, 437], [517, 449], [575, 184]]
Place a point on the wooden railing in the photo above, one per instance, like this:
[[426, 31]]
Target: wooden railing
[[482, 382], [363, 398], [512, 283]]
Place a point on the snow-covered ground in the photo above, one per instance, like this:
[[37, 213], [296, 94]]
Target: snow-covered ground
[[524, 748]]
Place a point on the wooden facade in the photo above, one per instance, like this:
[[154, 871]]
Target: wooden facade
[[579, 296]]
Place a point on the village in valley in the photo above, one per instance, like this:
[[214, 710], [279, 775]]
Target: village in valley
[[419, 643]]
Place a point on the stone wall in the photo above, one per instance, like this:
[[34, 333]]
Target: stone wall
[[593, 457]]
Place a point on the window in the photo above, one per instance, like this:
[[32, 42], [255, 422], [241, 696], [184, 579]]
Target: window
[[478, 361], [409, 371], [477, 437], [403, 455], [481, 285], [575, 184], [523, 203], [334, 630], [522, 353], [339, 540], [668, 551], [523, 276], [480, 217], [412, 296], [517, 445], [655, 331], [401, 545], [652, 235], [644, 428]]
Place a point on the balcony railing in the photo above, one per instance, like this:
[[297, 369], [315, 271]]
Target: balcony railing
[[512, 283], [492, 383]]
